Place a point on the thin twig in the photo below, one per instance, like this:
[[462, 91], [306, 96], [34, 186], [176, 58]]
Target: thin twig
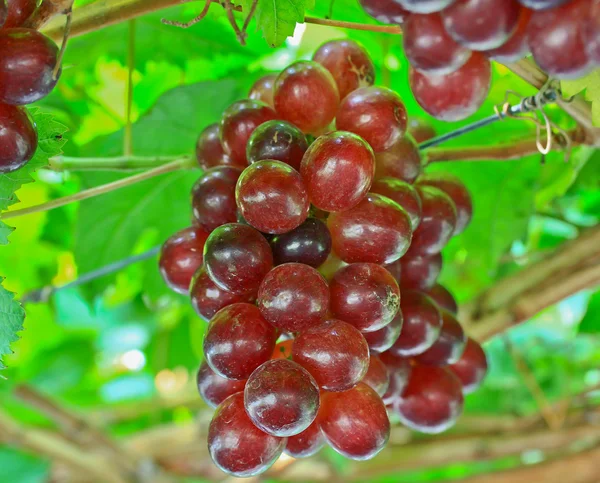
[[250, 15], [119, 163], [194, 21], [63, 47], [231, 17]]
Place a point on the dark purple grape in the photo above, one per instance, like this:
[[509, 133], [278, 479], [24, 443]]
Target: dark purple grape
[[16, 12], [449, 346], [443, 298], [213, 197], [309, 244], [262, 89], [209, 150], [18, 138], [277, 140]]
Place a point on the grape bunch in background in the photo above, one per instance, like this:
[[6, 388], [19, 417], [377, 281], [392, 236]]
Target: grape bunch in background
[[28, 72], [449, 44], [314, 253]]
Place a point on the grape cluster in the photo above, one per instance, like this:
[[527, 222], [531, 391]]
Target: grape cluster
[[27, 74], [315, 252], [449, 44]]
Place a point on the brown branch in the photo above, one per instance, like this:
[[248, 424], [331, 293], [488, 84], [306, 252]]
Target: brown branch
[[48, 10]]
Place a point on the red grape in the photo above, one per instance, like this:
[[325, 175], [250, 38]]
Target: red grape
[[181, 256], [516, 47], [428, 46], [262, 89], [272, 197], [422, 325], [348, 63], [384, 338], [237, 257], [209, 150], [277, 140], [420, 129], [455, 96], [213, 197], [18, 138], [237, 124], [376, 114], [364, 295], [335, 353], [395, 270], [238, 340], [471, 367], [213, 388], [26, 66], [17, 12], [420, 272], [306, 95], [448, 347], [3, 12], [399, 369], [386, 11], [591, 33], [310, 244], [338, 170], [283, 349], [307, 443], [542, 4], [355, 422], [556, 39], [438, 222], [293, 297], [425, 6], [377, 377], [402, 160], [236, 445], [402, 193], [377, 230], [443, 298], [431, 401]]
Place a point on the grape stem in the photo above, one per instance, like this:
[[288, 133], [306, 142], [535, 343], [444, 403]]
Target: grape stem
[[121, 163]]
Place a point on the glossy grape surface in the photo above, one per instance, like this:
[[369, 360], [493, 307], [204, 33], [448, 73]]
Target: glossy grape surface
[[355, 422], [209, 150], [402, 160], [399, 369], [402, 193], [307, 443], [236, 445], [420, 129], [376, 114], [516, 47], [377, 230], [238, 340], [306, 95], [213, 197], [542, 4], [237, 257], [277, 140], [293, 297], [443, 298], [213, 388], [449, 346], [377, 377], [17, 12], [26, 66], [364, 295], [338, 170], [310, 244], [381, 340], [262, 89], [420, 272], [471, 368], [425, 6], [335, 353], [386, 11], [18, 138]]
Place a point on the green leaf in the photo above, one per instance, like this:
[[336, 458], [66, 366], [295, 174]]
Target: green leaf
[[278, 18], [12, 316], [20, 467], [590, 86], [591, 321]]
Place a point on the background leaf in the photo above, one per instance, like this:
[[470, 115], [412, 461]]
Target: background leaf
[[12, 316]]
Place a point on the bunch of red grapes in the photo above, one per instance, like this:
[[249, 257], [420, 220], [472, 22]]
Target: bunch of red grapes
[[28, 72], [311, 219], [449, 42]]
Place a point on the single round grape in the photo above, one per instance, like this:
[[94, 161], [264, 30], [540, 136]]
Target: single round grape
[[308, 443], [448, 347], [542, 4], [306, 95], [277, 140], [283, 349], [213, 197], [293, 297], [16, 12], [377, 377], [399, 369], [237, 257], [338, 170], [481, 24], [402, 193], [432, 400], [209, 150], [26, 66], [18, 138], [238, 123], [443, 298], [381, 340], [557, 42], [455, 96], [236, 445], [364, 295], [213, 388], [471, 368], [262, 89], [425, 6], [422, 325], [349, 64], [402, 160], [272, 197], [428, 46], [281, 398], [238, 340], [420, 129], [386, 11], [335, 353], [376, 114], [438, 222], [180, 257], [310, 244], [457, 191], [420, 272], [377, 230], [355, 422], [516, 47]]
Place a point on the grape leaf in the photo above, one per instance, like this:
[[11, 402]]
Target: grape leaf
[[590, 87], [12, 316], [277, 19]]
